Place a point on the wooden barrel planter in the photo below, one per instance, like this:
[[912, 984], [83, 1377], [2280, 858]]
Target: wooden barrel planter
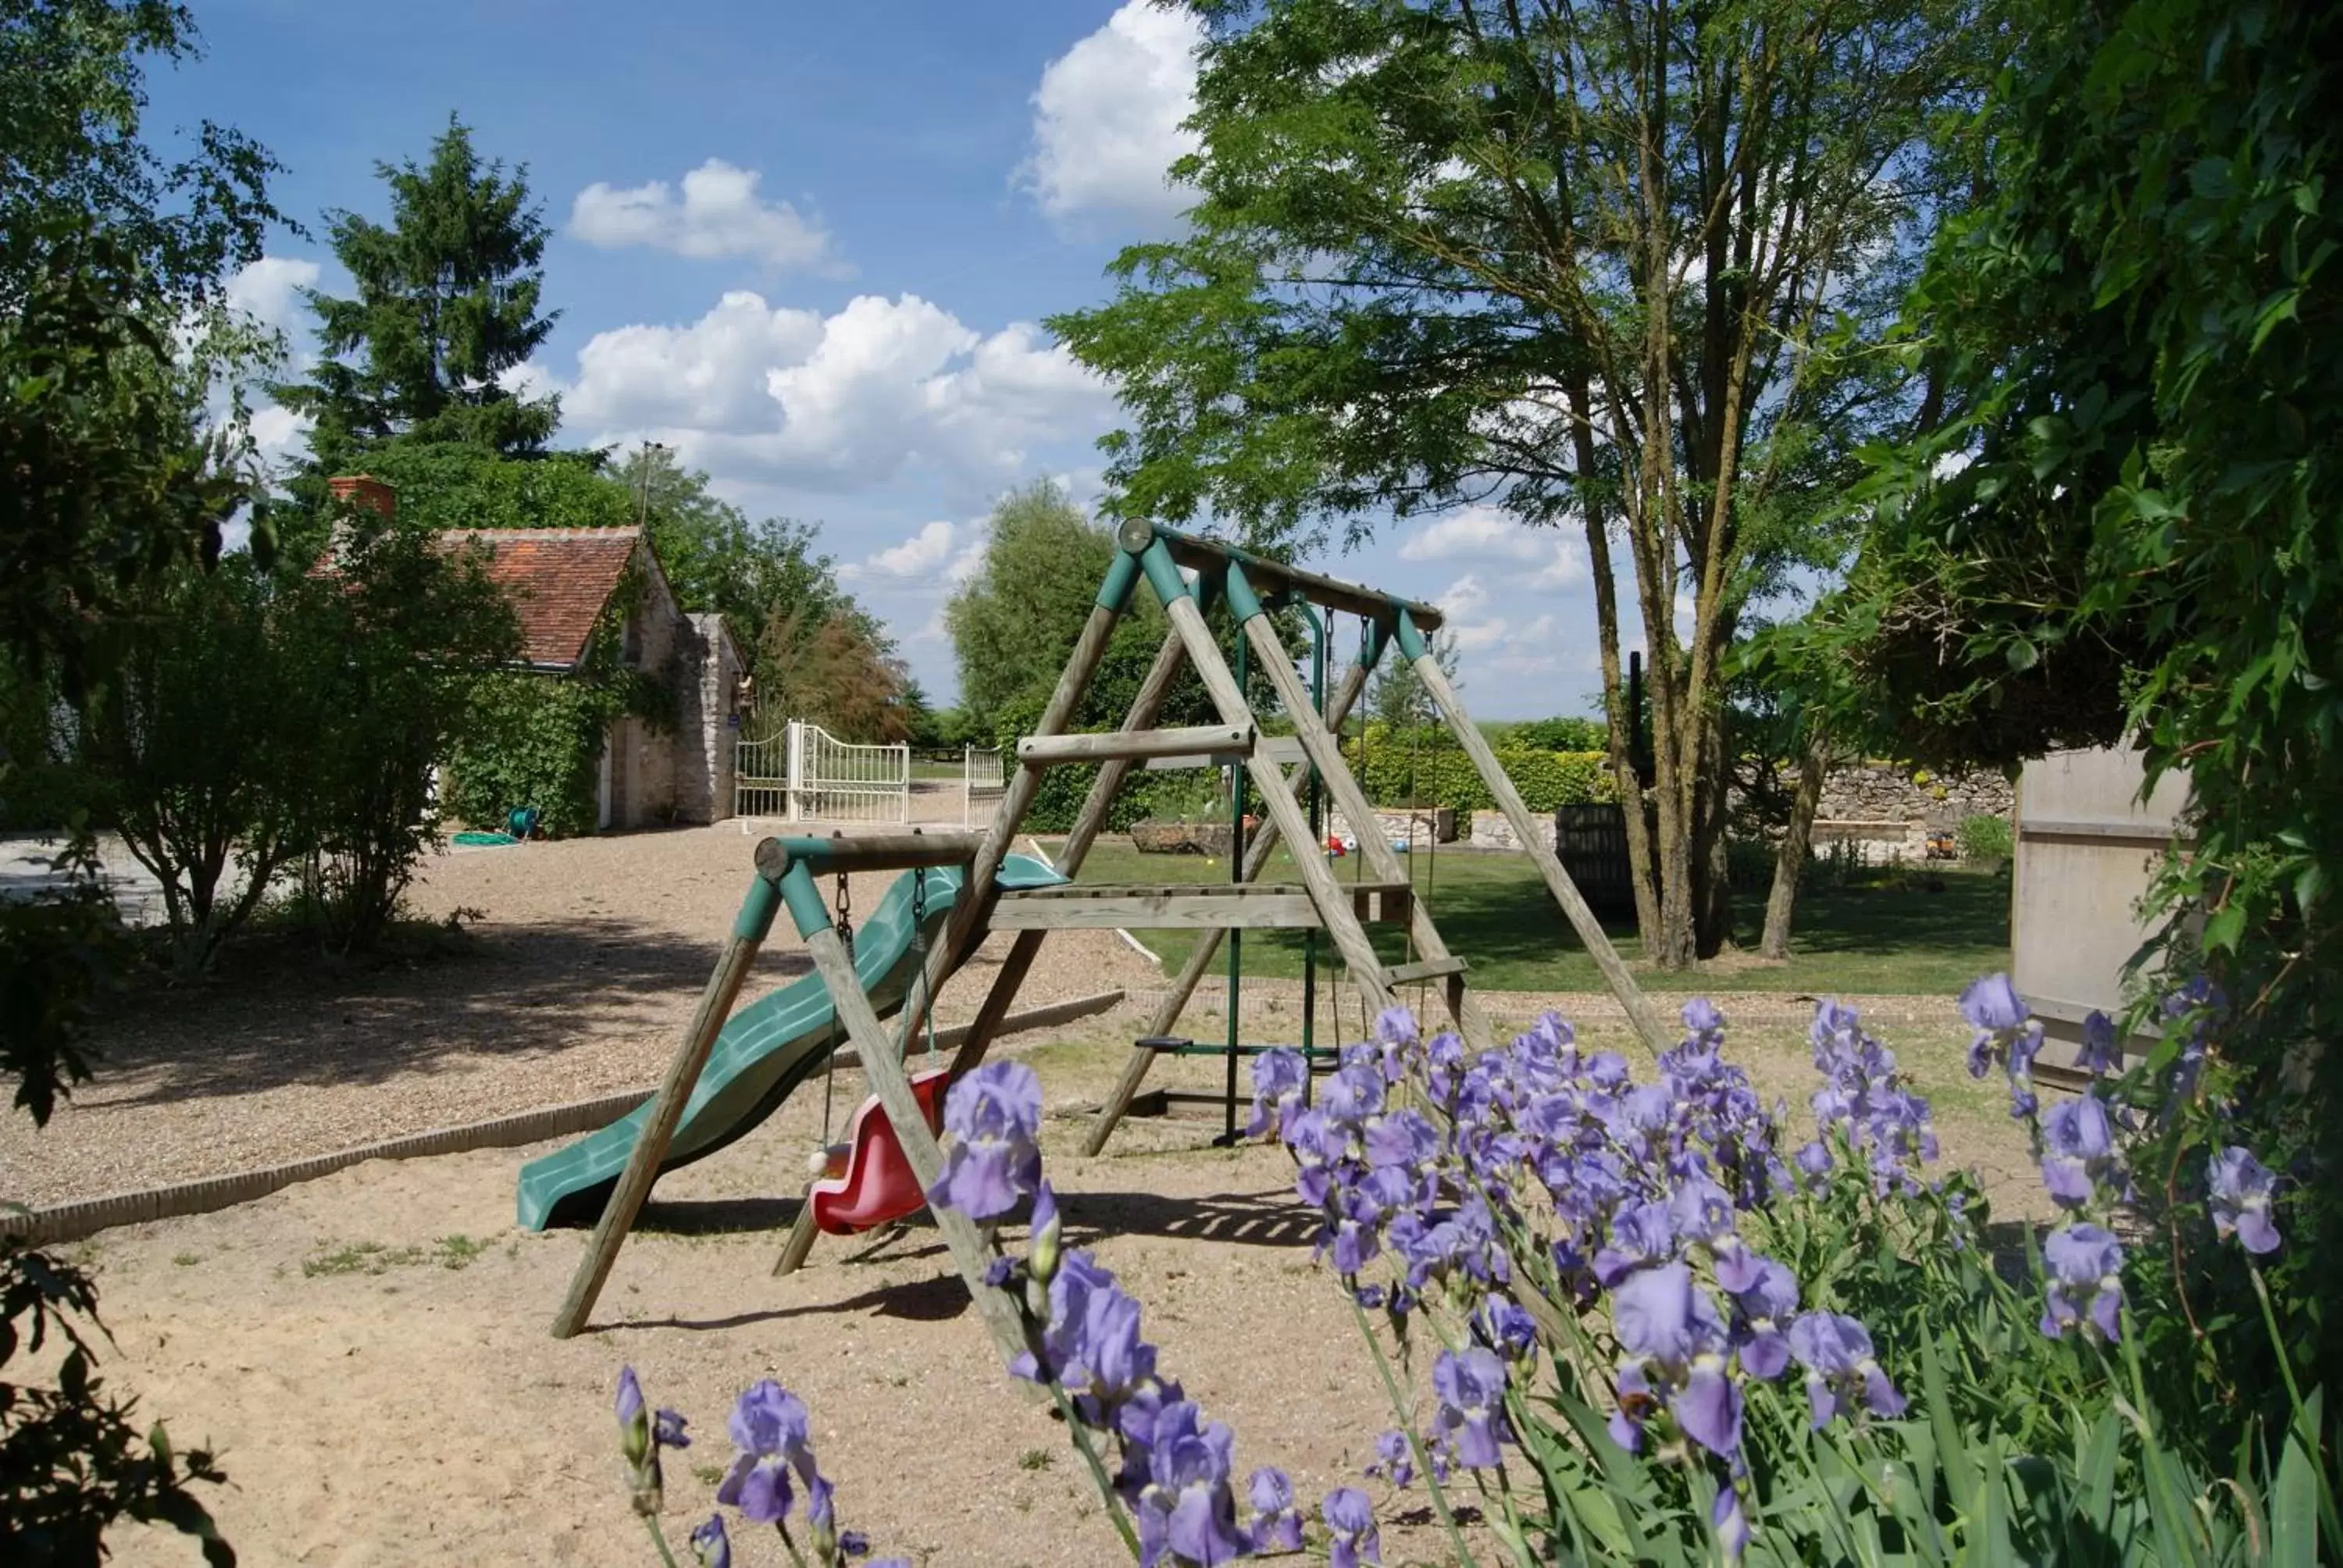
[[1590, 841]]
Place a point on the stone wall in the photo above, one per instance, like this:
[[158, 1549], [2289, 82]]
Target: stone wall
[[707, 679], [1493, 830], [1397, 825], [1886, 811]]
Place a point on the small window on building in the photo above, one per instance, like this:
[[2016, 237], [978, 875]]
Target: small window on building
[[632, 650]]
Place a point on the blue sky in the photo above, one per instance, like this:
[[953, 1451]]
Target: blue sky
[[809, 247]]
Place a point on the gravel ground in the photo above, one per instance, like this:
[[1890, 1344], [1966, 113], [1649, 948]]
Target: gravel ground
[[578, 965], [369, 1352]]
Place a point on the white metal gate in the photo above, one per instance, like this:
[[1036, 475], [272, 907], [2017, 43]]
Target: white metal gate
[[983, 781], [804, 773]]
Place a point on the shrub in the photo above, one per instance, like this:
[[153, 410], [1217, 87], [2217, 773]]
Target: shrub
[[394, 640], [1984, 836], [1428, 771]]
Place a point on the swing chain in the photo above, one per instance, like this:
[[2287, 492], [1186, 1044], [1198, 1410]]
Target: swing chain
[[845, 901]]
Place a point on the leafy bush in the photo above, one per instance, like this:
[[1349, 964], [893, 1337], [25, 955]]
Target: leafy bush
[[1985, 836], [1550, 735], [396, 640], [198, 746]]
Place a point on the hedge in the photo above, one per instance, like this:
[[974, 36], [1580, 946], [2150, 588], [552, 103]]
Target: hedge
[[1396, 774], [1399, 773]]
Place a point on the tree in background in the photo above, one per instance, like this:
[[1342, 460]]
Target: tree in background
[[1627, 267], [717, 559], [1397, 699], [447, 308], [827, 666]]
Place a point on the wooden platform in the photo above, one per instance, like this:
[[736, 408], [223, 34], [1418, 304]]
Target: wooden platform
[[1188, 905]]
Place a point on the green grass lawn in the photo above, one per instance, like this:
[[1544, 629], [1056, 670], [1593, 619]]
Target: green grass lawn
[[925, 773], [1891, 938]]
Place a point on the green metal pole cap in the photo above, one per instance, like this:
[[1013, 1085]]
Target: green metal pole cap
[[1134, 533]]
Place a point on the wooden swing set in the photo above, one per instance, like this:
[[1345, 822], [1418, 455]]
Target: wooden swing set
[[787, 870]]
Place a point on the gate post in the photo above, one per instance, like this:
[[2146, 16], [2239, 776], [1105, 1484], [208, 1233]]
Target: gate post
[[794, 780]]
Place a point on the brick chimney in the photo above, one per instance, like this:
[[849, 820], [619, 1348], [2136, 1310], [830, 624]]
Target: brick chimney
[[364, 490]]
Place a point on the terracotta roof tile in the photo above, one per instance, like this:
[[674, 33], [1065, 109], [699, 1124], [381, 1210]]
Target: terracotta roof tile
[[558, 580]]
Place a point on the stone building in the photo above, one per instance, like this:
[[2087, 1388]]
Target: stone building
[[561, 582]]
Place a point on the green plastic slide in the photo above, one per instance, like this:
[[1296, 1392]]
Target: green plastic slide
[[768, 1048]]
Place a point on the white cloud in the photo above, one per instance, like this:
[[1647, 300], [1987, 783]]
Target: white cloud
[[914, 560], [1490, 534], [718, 215], [1107, 119], [269, 291], [840, 401], [1460, 607]]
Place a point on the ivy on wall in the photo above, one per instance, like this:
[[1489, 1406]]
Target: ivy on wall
[[536, 737]]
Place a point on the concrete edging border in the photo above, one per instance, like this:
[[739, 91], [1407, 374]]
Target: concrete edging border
[[87, 1217]]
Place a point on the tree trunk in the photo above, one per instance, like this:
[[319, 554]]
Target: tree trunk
[[1790, 859], [1711, 856]]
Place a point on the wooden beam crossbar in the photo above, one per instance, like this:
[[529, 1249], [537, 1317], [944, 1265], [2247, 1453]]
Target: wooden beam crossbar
[[1218, 739], [1212, 556]]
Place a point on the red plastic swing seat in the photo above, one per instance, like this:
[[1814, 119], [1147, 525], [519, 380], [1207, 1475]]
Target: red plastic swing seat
[[877, 1185]]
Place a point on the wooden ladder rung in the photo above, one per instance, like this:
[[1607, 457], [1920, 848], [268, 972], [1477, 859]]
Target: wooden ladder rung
[[1422, 969]]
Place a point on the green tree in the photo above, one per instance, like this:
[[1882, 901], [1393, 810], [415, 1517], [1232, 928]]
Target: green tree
[[827, 668], [1015, 621], [1397, 699], [2124, 525], [106, 253], [447, 306], [717, 559], [1626, 267]]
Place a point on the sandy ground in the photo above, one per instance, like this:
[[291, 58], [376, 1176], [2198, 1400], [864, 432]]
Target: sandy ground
[[369, 1352]]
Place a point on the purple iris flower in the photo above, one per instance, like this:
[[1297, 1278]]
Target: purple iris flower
[[1701, 1016], [994, 1119], [1702, 1211], [2101, 1051], [1509, 1330], [1837, 1352], [2085, 1261], [634, 1421], [1812, 1161], [711, 1545], [2078, 1150], [1276, 1523], [1761, 1308], [1352, 1094], [770, 1426], [1471, 1384], [1350, 1238], [1186, 1507], [1401, 1138], [667, 1431], [1992, 1004], [1044, 1230], [1640, 1233], [1394, 1460], [1667, 1326], [1279, 1076], [1730, 1524], [1351, 1526], [1607, 1069], [2241, 1187]]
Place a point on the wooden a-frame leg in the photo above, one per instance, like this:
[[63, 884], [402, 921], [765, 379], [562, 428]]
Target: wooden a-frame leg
[[1333, 905], [800, 1243], [1465, 1008], [1167, 1012], [1640, 1011], [1080, 837], [971, 1251], [626, 1201]]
